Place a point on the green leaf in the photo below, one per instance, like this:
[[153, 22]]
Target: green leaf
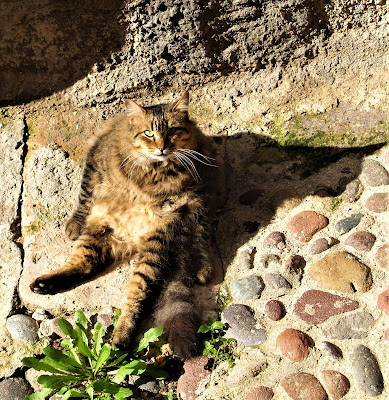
[[151, 336], [217, 325], [58, 359], [80, 317], [118, 360], [38, 365], [56, 382], [203, 329], [111, 388], [41, 395], [98, 335], [66, 327], [136, 367], [89, 390], [70, 394], [103, 356]]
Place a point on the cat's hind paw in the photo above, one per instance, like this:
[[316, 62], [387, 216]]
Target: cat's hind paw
[[43, 285], [73, 229]]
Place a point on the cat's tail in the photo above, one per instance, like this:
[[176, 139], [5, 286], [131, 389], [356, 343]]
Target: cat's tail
[[176, 312]]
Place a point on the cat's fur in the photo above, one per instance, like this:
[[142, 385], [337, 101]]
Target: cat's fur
[[141, 198]]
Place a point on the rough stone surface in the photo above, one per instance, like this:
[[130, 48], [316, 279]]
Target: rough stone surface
[[354, 326], [382, 256], [320, 245], [303, 386], [346, 224], [383, 301], [22, 327], [294, 344], [353, 191], [374, 173], [305, 224], [316, 306], [243, 325], [341, 271], [337, 384], [332, 351], [15, 389], [194, 373], [275, 240], [249, 287], [277, 281], [362, 241], [366, 370], [260, 393], [378, 202], [274, 310]]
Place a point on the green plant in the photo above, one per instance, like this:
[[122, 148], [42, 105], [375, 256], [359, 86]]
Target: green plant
[[88, 368], [336, 202], [218, 347]]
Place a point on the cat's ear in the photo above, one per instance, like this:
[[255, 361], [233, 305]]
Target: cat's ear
[[133, 111], [182, 104]]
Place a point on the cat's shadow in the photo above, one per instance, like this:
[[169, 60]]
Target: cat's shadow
[[265, 181]]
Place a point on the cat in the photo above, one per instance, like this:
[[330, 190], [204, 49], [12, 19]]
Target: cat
[[142, 198]]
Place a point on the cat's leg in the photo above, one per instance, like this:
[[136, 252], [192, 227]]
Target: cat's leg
[[91, 178], [91, 255], [200, 255], [149, 265]]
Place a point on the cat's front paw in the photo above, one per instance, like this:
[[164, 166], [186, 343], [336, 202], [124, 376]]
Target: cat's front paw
[[44, 285], [121, 339], [73, 229]]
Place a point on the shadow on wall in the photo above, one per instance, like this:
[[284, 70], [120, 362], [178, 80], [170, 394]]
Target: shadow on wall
[[48, 45]]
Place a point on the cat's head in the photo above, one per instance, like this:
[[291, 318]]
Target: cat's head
[[161, 132]]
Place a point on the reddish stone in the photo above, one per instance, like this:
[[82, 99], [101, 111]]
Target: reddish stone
[[387, 335], [194, 373], [294, 344], [303, 386], [362, 241], [275, 240], [337, 384], [274, 309], [260, 393], [250, 197], [316, 306], [319, 245], [383, 301], [305, 224], [378, 202], [382, 256], [277, 281]]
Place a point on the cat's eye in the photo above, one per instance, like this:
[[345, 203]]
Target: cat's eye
[[172, 131], [149, 133]]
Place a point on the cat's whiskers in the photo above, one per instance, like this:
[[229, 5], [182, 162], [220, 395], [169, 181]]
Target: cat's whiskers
[[128, 159], [136, 162], [188, 164], [193, 154]]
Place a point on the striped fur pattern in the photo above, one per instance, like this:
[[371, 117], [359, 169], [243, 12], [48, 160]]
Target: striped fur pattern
[[141, 198]]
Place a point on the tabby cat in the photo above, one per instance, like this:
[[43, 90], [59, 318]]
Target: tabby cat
[[142, 198]]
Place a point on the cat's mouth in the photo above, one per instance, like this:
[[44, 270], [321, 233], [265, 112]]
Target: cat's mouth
[[155, 158]]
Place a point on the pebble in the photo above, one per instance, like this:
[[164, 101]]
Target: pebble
[[322, 244], [295, 265], [260, 393], [303, 386], [362, 241], [22, 327], [354, 326], [316, 306], [249, 287], [337, 384], [353, 191], [383, 301], [367, 372], [378, 202], [305, 224], [245, 259], [275, 240], [274, 310], [341, 271], [332, 351], [346, 224], [382, 256], [277, 281], [39, 315], [294, 344], [250, 197], [243, 325], [194, 372], [105, 317], [15, 389], [374, 173]]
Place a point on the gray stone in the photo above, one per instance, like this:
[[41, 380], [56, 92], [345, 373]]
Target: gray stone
[[22, 327], [353, 191], [14, 389], [367, 372], [243, 325], [277, 281], [354, 326], [374, 173], [346, 224], [246, 288], [332, 351]]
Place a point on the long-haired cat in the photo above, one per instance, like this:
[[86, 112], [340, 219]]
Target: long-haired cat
[[142, 198]]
